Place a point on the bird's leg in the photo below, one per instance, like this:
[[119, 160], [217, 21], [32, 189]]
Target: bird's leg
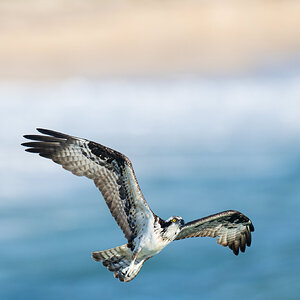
[[131, 266], [134, 255]]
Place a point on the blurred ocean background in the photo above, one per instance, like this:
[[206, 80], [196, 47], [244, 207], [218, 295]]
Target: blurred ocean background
[[205, 131]]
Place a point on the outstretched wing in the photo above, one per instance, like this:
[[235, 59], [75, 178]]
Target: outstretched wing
[[232, 228], [111, 171]]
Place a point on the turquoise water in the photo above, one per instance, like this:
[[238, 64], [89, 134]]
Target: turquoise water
[[198, 146], [46, 253]]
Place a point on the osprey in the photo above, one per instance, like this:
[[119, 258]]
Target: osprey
[[147, 234]]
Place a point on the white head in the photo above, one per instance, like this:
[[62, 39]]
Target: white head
[[172, 227]]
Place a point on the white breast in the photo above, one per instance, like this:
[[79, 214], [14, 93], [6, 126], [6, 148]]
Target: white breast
[[151, 243]]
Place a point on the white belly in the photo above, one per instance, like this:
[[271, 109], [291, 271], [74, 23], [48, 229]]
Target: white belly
[[150, 244]]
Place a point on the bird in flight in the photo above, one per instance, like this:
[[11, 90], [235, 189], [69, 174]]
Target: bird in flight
[[146, 233]]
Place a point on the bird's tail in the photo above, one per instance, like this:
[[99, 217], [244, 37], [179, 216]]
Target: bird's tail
[[119, 261]]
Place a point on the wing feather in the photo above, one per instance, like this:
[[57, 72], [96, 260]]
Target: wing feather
[[110, 170], [232, 228]]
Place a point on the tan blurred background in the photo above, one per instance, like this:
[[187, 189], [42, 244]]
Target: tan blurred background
[[43, 39]]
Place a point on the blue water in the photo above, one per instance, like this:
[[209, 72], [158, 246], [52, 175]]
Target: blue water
[[198, 147], [48, 256]]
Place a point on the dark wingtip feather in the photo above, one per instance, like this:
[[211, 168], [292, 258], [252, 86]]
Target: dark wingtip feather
[[28, 144], [42, 145], [235, 250], [52, 133], [46, 155], [243, 243], [44, 131], [33, 150], [249, 240], [31, 144], [44, 138]]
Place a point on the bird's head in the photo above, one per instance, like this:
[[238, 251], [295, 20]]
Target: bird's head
[[175, 220], [172, 227]]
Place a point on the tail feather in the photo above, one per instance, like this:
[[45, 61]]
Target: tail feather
[[118, 260], [113, 253]]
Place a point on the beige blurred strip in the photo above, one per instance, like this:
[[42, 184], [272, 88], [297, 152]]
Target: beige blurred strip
[[59, 38]]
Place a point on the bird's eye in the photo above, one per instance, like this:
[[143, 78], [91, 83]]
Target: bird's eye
[[174, 220]]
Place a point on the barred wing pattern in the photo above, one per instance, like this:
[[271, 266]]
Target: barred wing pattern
[[232, 228], [111, 171]]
